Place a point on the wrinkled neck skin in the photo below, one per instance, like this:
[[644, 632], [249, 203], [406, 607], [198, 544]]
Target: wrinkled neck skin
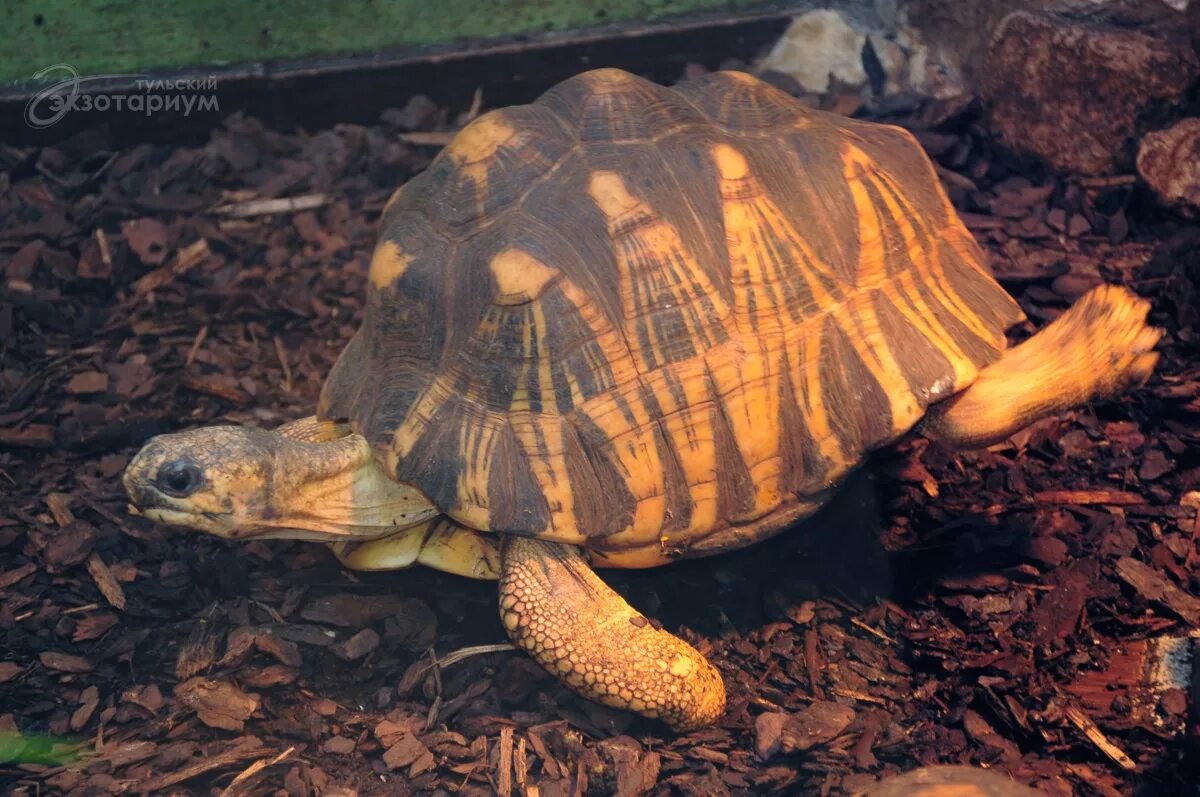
[[335, 491]]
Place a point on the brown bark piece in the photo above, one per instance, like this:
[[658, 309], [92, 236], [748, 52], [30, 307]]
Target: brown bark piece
[[357, 646], [147, 237], [88, 382], [106, 582], [242, 750], [351, 611], [1155, 587], [65, 662], [1088, 497], [218, 704]]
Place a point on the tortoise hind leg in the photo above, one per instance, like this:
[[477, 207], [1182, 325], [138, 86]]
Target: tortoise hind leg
[[560, 612], [1099, 347]]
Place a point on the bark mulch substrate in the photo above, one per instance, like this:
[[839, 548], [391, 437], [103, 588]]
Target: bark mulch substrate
[[994, 607]]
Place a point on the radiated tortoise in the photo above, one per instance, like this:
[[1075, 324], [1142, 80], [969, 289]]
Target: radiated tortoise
[[628, 324]]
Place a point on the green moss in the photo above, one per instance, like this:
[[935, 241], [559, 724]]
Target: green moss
[[123, 36]]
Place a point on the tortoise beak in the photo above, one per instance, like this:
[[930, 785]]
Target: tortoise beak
[[138, 478], [135, 482], [144, 499]]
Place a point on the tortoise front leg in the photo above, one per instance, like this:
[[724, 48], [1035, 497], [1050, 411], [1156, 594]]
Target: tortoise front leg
[[1099, 347], [559, 611]]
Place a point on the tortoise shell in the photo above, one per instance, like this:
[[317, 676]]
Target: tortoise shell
[[631, 317]]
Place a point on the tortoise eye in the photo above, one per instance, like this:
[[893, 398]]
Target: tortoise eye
[[179, 478]]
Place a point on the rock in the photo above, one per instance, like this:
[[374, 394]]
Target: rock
[[887, 54], [1075, 91], [418, 113], [1169, 161], [819, 46]]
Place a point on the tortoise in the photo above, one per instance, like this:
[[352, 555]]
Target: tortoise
[[949, 781], [628, 324]]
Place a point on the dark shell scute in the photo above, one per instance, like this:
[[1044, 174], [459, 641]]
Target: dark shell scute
[[615, 106]]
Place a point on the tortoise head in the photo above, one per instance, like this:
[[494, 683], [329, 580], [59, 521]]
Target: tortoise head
[[246, 483]]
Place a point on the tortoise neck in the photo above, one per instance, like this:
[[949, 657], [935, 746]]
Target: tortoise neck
[[335, 489]]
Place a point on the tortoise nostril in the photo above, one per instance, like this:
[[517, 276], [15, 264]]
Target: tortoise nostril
[[179, 478]]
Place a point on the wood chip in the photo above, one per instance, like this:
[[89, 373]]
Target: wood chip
[[107, 583], [7, 579], [188, 258], [1096, 736], [88, 382], [356, 646], [218, 704], [147, 237], [263, 207], [504, 779], [35, 435], [238, 784], [816, 724], [65, 662], [281, 353], [59, 505], [93, 626], [338, 745], [241, 750], [88, 702], [407, 751], [1155, 587], [351, 611], [1088, 497], [219, 385]]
